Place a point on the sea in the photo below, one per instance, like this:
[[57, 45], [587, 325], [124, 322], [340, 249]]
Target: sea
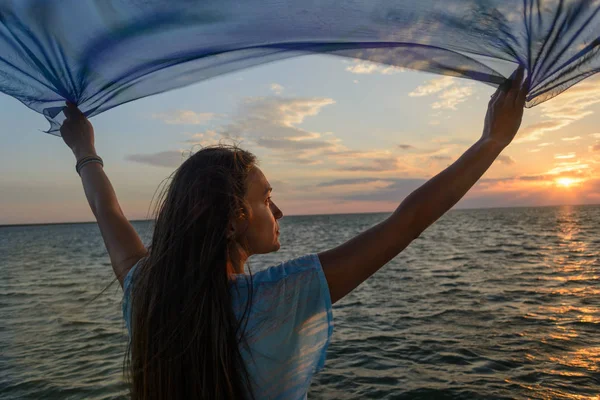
[[485, 304]]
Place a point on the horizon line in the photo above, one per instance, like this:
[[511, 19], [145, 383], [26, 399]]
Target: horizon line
[[314, 215]]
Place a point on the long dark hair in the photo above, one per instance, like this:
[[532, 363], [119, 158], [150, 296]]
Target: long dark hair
[[186, 337]]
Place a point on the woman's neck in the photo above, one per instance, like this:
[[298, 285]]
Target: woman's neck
[[238, 266]]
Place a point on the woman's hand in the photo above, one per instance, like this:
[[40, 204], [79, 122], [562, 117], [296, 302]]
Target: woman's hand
[[505, 110], [78, 132]]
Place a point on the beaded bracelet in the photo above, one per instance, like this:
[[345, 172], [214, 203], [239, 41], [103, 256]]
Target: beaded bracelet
[[86, 160]]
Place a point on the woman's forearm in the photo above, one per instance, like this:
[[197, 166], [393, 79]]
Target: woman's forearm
[[98, 190], [428, 203], [122, 242], [348, 265]]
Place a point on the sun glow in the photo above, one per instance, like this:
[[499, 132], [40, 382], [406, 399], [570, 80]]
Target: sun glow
[[566, 182]]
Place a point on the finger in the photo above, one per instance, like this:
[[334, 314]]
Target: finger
[[522, 95], [499, 99], [499, 92], [75, 109], [496, 98], [493, 97], [510, 82], [517, 78], [68, 111], [516, 82], [72, 110], [505, 86], [524, 90]]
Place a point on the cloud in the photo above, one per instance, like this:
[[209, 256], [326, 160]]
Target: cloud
[[488, 192], [441, 151], [563, 110], [184, 117], [374, 165], [450, 92], [371, 193], [305, 160], [576, 167], [571, 139], [366, 67], [596, 147], [278, 115], [363, 68], [440, 158], [574, 103], [452, 97], [433, 86], [350, 181], [207, 138], [440, 140], [394, 192], [171, 158], [504, 159], [406, 146], [535, 132], [564, 156], [532, 177], [277, 88], [271, 123], [486, 181], [278, 143]]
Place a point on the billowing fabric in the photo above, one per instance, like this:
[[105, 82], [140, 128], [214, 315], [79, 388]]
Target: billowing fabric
[[102, 53], [288, 327]]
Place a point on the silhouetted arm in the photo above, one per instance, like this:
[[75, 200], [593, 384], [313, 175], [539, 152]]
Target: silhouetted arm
[[123, 243], [349, 264]]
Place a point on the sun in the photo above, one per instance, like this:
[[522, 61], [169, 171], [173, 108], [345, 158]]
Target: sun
[[566, 182]]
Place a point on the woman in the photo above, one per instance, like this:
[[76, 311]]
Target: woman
[[200, 327]]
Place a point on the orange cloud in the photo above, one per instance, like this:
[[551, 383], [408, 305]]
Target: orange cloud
[[570, 106], [535, 132], [184, 117]]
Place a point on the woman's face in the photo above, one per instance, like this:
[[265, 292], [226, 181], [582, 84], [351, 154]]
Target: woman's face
[[262, 233]]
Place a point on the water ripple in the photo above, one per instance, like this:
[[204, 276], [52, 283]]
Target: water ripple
[[486, 304]]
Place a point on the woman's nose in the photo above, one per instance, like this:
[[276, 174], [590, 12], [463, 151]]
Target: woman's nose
[[276, 211]]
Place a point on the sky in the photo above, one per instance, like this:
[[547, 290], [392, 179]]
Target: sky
[[332, 135]]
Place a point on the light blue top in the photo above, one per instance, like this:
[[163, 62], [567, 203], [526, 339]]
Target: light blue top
[[289, 325]]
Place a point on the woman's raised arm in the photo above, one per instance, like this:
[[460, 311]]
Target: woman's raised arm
[[349, 264], [124, 245]]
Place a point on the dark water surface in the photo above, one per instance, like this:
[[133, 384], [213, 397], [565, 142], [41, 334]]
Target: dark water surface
[[486, 304]]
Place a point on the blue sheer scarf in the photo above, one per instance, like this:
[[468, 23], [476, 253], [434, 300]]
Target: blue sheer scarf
[[99, 54]]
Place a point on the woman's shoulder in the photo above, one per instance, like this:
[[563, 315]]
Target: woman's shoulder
[[284, 270]]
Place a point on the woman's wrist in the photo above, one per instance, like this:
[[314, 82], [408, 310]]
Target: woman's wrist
[[80, 153], [493, 144]]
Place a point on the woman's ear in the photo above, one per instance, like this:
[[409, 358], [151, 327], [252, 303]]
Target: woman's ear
[[237, 227]]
